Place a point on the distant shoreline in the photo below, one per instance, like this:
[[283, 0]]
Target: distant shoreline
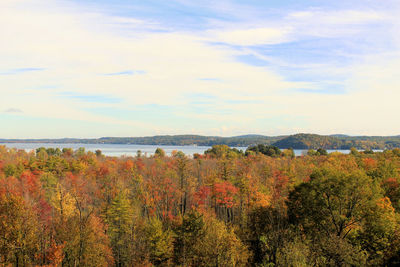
[[297, 141]]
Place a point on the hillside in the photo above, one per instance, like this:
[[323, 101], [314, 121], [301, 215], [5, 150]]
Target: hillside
[[314, 141], [305, 141]]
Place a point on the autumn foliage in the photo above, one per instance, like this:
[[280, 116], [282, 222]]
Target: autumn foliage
[[224, 208]]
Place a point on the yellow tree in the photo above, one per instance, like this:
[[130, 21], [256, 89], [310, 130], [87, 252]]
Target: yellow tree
[[18, 231]]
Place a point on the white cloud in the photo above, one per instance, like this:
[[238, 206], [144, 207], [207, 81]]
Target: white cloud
[[75, 48]]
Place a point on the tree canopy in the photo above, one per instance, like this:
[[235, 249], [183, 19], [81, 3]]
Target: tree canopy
[[265, 207]]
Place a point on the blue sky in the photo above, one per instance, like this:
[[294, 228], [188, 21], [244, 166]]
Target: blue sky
[[132, 68]]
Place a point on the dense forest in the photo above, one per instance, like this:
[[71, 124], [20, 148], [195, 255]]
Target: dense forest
[[264, 207], [297, 141]]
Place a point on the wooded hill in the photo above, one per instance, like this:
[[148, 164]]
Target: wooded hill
[[314, 141], [297, 141]]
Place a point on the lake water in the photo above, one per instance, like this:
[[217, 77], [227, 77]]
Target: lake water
[[130, 150], [114, 150]]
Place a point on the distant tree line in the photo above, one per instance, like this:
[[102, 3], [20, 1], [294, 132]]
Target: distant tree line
[[297, 141]]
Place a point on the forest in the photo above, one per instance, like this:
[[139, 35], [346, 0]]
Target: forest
[[264, 207]]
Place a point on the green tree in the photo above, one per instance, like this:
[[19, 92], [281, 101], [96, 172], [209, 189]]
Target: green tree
[[271, 151], [159, 152], [41, 154], [333, 201], [289, 153], [293, 253], [223, 151], [354, 151], [339, 211], [119, 220], [379, 235], [322, 152], [80, 152], [267, 228], [10, 170], [188, 233], [160, 242]]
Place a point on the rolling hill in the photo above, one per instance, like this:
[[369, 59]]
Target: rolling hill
[[296, 141]]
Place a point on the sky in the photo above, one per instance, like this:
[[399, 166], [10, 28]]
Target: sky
[[94, 68]]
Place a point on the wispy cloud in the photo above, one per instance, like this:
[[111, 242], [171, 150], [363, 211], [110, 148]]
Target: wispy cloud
[[91, 98], [326, 91], [20, 71], [13, 110], [337, 17], [252, 36], [210, 79], [125, 72]]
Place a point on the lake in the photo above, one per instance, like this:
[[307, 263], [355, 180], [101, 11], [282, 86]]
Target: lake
[[116, 150]]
